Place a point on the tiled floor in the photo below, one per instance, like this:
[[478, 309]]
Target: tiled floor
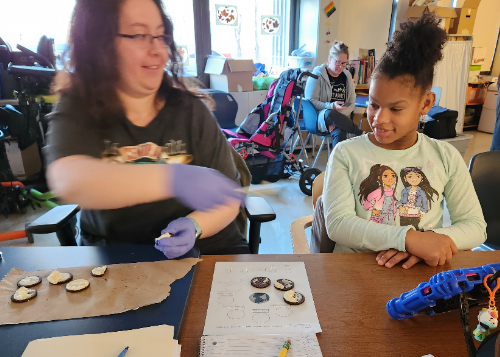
[[284, 196]]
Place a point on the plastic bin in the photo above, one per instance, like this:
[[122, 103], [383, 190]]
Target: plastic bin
[[262, 83], [300, 62]]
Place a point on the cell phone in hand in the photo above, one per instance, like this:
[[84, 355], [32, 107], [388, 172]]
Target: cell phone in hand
[[346, 104]]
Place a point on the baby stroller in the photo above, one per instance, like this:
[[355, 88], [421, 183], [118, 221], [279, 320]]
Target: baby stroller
[[260, 139]]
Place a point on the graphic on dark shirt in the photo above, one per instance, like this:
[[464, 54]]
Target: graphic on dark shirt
[[377, 193], [147, 153], [338, 85]]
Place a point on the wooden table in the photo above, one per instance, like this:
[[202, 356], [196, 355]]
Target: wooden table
[[350, 293]]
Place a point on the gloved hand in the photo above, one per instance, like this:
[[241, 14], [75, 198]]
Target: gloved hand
[[183, 237], [201, 188]]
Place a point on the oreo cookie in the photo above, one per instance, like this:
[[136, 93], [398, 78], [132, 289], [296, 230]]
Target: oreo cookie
[[57, 278], [77, 285], [293, 298], [23, 294], [99, 271], [260, 282], [284, 284], [29, 281]]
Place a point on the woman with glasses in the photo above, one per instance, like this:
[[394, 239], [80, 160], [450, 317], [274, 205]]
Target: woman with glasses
[[333, 95], [129, 143]]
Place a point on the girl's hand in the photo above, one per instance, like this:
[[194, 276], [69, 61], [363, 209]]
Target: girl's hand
[[435, 249], [391, 257], [376, 212]]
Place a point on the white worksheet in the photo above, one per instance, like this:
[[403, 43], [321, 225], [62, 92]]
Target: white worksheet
[[236, 307]]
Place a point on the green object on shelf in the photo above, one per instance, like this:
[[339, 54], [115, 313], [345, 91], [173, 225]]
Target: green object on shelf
[[262, 83], [476, 67]]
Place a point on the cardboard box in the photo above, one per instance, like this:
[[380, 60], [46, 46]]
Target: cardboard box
[[23, 163], [478, 56], [230, 75], [476, 93], [445, 14], [464, 23]]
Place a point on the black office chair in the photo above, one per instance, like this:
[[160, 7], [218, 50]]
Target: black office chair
[[226, 109], [484, 169]]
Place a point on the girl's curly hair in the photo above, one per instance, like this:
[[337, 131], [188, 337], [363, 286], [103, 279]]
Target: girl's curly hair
[[413, 51]]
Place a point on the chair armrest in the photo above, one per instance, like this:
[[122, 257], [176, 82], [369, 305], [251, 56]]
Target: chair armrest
[[53, 220], [258, 210], [298, 231]]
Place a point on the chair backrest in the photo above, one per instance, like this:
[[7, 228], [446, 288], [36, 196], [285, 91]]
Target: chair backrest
[[226, 109], [437, 91], [317, 187], [484, 169], [309, 114]]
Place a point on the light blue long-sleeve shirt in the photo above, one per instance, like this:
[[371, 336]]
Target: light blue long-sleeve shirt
[[355, 228]]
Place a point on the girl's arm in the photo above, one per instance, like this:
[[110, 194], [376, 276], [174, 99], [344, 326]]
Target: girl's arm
[[468, 228], [342, 223], [425, 202]]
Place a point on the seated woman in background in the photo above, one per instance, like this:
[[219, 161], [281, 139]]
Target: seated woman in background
[[333, 95], [125, 135]]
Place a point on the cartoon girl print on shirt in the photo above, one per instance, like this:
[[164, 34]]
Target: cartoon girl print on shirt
[[377, 193], [416, 197]]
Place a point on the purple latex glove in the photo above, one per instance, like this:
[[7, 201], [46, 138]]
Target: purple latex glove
[[183, 237], [201, 188]]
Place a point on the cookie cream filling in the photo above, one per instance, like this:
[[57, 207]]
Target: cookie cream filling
[[29, 280], [99, 270], [23, 293], [291, 296], [278, 285], [56, 277], [77, 284]]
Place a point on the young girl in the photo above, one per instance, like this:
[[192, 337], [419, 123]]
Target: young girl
[[399, 94], [416, 198], [378, 195]]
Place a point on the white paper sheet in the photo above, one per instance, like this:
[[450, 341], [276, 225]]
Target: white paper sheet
[[144, 342], [230, 310], [303, 345]]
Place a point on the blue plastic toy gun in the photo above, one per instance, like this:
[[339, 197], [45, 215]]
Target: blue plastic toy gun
[[443, 290]]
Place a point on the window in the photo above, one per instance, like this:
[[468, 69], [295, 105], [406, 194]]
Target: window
[[181, 15], [243, 35], [37, 18]]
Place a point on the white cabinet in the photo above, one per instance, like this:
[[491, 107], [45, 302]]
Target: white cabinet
[[246, 102]]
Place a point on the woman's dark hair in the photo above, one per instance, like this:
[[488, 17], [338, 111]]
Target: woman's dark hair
[[374, 181], [425, 185], [413, 51], [91, 75]]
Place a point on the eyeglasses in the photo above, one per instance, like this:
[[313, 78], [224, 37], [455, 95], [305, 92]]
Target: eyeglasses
[[343, 64], [146, 40]]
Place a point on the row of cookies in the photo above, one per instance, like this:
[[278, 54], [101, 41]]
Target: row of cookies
[[290, 297], [25, 292]]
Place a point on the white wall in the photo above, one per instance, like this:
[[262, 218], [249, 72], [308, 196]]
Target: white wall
[[486, 29], [495, 70], [333, 20], [358, 23], [365, 24]]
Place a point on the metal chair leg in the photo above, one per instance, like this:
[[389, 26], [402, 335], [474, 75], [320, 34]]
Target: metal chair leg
[[319, 151], [303, 150], [314, 144]]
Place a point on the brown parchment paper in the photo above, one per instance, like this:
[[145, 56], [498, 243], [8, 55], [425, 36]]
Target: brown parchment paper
[[124, 287]]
